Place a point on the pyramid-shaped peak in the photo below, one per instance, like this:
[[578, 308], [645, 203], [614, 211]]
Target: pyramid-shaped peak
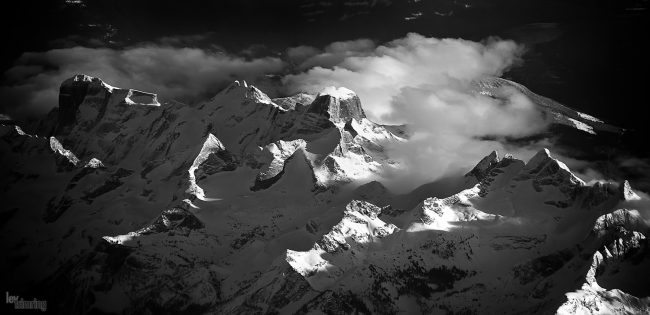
[[544, 157], [241, 89], [541, 157], [492, 157], [544, 153], [543, 164], [484, 165]]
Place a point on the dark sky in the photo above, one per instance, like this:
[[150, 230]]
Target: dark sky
[[585, 54]]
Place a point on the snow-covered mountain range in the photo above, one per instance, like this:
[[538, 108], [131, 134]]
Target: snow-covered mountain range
[[120, 202]]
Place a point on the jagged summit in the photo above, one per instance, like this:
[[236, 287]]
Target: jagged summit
[[350, 239], [246, 91], [340, 104], [480, 170], [545, 179], [74, 91], [542, 165], [493, 168], [542, 156]]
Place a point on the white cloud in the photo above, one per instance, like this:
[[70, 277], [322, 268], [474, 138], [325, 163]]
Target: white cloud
[[379, 73], [186, 74], [421, 81], [332, 55], [426, 83]]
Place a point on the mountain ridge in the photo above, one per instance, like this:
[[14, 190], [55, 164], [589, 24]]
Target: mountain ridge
[[257, 206]]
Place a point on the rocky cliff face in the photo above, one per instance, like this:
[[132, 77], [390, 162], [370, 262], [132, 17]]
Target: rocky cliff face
[[246, 204]]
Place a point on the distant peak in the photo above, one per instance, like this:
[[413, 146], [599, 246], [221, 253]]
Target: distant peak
[[481, 169]]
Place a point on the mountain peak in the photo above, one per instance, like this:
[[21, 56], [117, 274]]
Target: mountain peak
[[542, 156], [340, 104], [247, 92], [627, 192], [543, 165], [73, 92], [484, 165]]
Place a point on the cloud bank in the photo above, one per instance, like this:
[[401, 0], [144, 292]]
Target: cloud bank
[[378, 74], [185, 74], [420, 81], [426, 83]]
